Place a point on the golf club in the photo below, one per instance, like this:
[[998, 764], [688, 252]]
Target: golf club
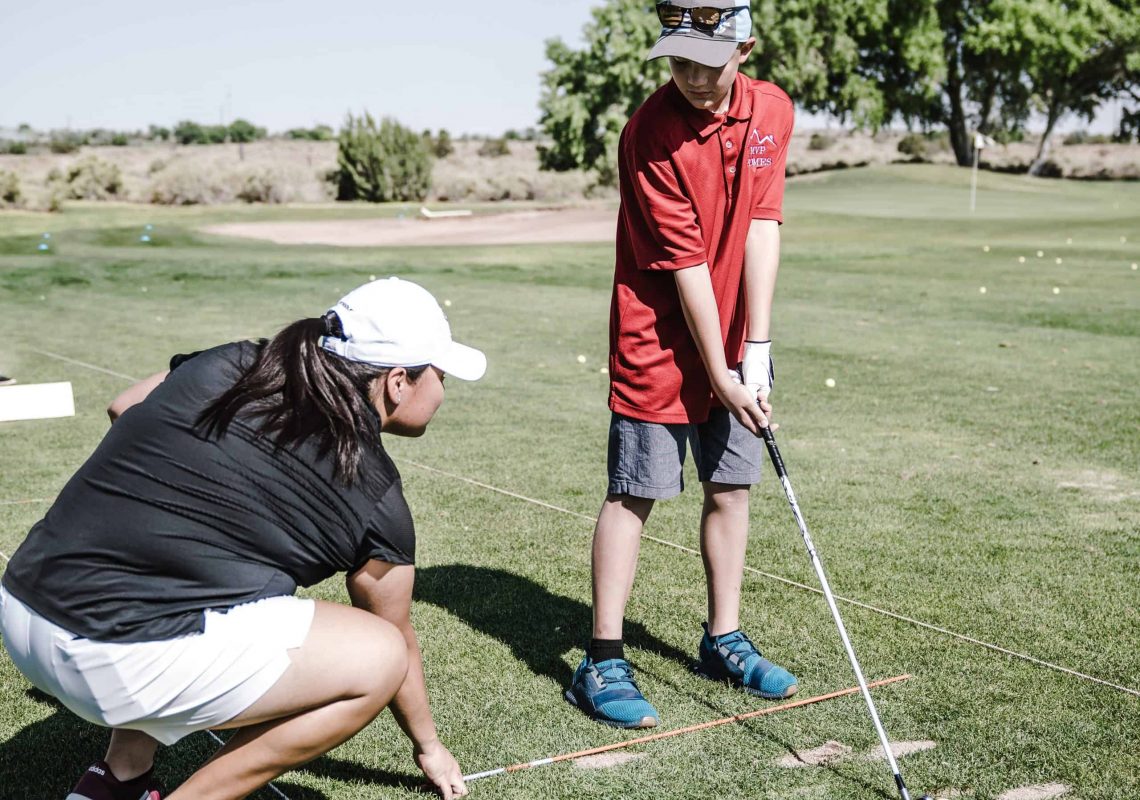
[[778, 463]]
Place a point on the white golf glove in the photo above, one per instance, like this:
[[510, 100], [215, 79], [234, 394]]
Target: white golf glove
[[757, 367]]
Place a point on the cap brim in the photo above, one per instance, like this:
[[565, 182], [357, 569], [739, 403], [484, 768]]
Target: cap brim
[[702, 50], [465, 363]]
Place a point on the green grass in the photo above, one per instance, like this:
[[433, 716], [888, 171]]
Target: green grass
[[977, 467]]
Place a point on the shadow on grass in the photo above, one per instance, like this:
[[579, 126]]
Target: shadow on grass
[[538, 626], [46, 758]]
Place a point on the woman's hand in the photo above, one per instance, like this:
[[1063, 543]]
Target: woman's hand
[[441, 768]]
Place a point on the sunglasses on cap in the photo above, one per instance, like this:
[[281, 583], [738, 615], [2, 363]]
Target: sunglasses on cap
[[703, 18]]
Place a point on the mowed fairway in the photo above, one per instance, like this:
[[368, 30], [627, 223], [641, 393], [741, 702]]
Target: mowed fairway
[[976, 467]]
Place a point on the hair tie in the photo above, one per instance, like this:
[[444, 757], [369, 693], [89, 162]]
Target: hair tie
[[333, 326]]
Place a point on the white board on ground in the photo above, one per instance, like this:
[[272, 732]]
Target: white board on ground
[[36, 401]]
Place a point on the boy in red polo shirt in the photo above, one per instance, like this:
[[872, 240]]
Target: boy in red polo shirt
[[701, 168]]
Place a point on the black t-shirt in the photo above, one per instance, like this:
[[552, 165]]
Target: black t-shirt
[[163, 523]]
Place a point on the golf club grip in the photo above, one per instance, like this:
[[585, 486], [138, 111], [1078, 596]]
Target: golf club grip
[[774, 452]]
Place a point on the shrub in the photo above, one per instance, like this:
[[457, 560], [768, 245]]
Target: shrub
[[187, 187], [187, 132], [381, 163], [320, 133], [158, 165], [1084, 137], [820, 141], [17, 148], [241, 130], [91, 178], [494, 148], [443, 146], [158, 133], [914, 145], [261, 186], [10, 196], [119, 140], [63, 143]]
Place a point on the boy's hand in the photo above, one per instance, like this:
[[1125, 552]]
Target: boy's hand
[[757, 367], [441, 768], [741, 402]]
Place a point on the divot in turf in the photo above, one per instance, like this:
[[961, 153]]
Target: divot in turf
[[876, 753], [1039, 791], [606, 760], [833, 751], [826, 753]]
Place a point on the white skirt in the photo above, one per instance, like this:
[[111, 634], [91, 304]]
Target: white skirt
[[167, 689]]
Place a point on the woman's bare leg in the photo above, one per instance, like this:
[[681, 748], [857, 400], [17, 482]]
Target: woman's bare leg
[[341, 678]]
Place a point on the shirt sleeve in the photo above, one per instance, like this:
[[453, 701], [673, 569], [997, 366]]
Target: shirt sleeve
[[666, 235], [770, 189], [390, 533], [180, 359]]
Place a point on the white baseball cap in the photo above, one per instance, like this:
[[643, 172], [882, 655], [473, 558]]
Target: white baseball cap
[[397, 323]]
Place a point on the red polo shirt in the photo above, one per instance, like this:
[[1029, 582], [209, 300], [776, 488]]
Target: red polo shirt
[[691, 184]]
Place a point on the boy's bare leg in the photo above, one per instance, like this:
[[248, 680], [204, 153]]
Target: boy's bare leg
[[724, 540], [617, 542]]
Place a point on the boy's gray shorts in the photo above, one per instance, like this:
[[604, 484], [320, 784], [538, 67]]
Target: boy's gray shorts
[[646, 458]]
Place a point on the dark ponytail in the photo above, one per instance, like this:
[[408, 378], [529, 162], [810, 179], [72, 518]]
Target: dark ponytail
[[296, 390]]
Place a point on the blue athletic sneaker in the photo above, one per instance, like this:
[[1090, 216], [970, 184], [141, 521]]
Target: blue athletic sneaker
[[734, 658], [606, 692]]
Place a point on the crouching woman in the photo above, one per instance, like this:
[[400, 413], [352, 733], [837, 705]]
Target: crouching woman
[[156, 597]]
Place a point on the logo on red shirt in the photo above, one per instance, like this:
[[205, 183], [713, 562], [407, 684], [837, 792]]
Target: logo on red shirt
[[758, 146]]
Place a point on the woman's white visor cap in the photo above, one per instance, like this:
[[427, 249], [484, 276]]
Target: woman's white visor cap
[[397, 323]]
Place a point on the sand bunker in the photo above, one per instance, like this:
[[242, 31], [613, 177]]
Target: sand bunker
[[521, 227]]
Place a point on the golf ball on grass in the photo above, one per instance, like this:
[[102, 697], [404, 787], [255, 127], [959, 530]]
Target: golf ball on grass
[[1058, 261], [981, 289], [986, 249], [1021, 259], [829, 383], [581, 359], [1041, 254], [1056, 290]]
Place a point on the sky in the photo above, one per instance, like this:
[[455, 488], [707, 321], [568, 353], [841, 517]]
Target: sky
[[470, 67], [463, 65]]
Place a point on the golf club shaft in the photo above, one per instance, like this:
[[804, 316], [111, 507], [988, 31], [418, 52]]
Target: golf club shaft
[[782, 473]]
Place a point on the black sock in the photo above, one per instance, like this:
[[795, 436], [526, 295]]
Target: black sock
[[606, 649]]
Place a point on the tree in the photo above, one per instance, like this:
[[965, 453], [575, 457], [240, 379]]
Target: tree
[[1071, 56], [968, 65], [588, 95]]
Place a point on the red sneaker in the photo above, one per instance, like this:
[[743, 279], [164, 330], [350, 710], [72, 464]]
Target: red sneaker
[[99, 783]]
